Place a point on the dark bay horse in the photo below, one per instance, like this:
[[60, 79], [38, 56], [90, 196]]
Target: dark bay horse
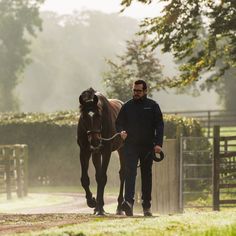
[[96, 136]]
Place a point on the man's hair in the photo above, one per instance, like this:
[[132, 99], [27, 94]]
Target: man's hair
[[140, 81]]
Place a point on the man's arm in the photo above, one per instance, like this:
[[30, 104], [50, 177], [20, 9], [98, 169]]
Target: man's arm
[[120, 123], [159, 128]]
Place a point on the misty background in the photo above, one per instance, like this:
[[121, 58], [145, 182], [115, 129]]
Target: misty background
[[68, 56]]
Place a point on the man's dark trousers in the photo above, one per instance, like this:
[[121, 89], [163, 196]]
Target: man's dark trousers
[[134, 153]]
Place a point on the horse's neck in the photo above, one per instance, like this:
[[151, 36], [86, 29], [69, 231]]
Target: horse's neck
[[107, 117]]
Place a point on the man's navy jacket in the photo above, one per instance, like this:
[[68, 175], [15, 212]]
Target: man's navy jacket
[[142, 120]]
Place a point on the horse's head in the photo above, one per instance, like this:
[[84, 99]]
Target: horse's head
[[91, 114]]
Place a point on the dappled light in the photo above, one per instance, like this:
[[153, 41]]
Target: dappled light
[[67, 69]]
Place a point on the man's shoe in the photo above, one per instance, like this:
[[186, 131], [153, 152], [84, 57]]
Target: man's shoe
[[127, 208], [147, 212]]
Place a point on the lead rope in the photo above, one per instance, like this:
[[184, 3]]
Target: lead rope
[[109, 139], [145, 158], [154, 157]]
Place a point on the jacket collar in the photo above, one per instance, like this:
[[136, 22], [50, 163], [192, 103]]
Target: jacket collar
[[143, 98]]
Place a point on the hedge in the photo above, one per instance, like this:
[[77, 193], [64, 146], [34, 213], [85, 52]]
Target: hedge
[[53, 151]]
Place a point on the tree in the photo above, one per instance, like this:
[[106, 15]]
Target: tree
[[68, 57], [226, 88], [199, 33], [18, 20], [136, 63]]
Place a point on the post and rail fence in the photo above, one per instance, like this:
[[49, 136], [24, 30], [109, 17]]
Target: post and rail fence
[[196, 166], [210, 118], [14, 170], [224, 170]]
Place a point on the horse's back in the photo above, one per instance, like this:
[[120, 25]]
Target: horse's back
[[116, 105]]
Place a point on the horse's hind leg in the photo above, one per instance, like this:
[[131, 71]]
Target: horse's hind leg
[[84, 160], [122, 180]]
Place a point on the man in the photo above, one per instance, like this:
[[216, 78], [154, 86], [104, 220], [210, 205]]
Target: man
[[141, 126]]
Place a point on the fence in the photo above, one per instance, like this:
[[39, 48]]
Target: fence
[[182, 177], [209, 118], [224, 172], [166, 180], [196, 172], [14, 170]]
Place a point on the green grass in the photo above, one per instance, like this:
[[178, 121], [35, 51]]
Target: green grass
[[187, 224]]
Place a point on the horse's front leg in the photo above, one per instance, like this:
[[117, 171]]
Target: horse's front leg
[[84, 161], [97, 162], [101, 177]]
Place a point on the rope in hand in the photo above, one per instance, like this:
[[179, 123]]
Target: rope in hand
[[154, 156]]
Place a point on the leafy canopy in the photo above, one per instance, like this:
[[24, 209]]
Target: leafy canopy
[[199, 33], [18, 19], [138, 62]]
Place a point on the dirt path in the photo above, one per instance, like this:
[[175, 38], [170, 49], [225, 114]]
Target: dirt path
[[38, 218], [76, 205]]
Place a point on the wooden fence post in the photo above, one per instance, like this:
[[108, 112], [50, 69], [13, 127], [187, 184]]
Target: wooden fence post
[[216, 168], [14, 170], [179, 134], [7, 153], [26, 157], [208, 124], [18, 155]]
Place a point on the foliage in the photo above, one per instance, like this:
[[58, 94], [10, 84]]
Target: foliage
[[138, 62], [188, 126], [68, 118], [200, 34], [53, 151], [68, 57], [18, 18]]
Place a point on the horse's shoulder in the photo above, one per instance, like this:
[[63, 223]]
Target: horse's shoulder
[[115, 102]]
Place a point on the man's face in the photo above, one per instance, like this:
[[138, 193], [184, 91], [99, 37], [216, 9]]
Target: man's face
[[138, 91]]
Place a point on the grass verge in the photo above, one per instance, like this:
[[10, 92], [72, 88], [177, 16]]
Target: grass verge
[[187, 224]]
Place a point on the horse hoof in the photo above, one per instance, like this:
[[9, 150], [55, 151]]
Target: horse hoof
[[119, 212], [99, 212], [91, 202]]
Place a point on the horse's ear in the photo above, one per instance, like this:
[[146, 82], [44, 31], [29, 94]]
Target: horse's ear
[[81, 101], [95, 99]]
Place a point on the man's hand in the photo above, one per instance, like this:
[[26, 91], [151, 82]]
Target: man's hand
[[123, 134], [157, 149]]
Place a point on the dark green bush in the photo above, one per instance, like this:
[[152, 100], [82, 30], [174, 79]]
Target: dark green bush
[[53, 151]]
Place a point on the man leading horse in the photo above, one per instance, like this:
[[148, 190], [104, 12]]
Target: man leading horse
[[141, 125]]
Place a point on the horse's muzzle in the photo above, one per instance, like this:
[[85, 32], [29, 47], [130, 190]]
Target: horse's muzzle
[[97, 148]]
